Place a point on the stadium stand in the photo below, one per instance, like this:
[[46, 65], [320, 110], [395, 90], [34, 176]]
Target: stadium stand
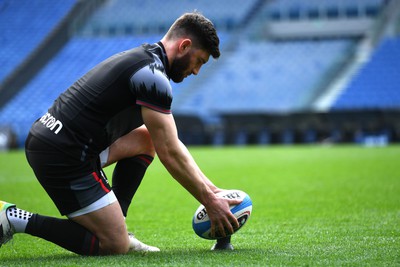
[[262, 88], [374, 86], [281, 80], [125, 16], [23, 26], [77, 57]]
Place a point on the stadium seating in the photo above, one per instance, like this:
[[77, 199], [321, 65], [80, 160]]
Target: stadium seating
[[375, 86], [78, 56], [23, 25], [253, 76], [267, 76], [125, 16]]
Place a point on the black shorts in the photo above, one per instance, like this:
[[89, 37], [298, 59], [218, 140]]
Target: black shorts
[[70, 183]]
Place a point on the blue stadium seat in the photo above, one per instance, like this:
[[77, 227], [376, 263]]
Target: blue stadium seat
[[24, 25], [375, 85], [267, 76], [142, 16]]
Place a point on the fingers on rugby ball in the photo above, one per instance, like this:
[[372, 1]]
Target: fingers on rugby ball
[[201, 223]]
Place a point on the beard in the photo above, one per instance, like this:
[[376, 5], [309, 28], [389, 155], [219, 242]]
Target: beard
[[179, 68]]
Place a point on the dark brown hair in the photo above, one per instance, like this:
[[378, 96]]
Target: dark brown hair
[[200, 29]]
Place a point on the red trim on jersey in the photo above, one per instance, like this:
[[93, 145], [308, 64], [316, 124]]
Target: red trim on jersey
[[154, 107], [101, 182]]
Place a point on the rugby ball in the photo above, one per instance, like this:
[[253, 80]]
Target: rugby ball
[[201, 223]]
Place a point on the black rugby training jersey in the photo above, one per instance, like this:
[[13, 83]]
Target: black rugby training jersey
[[105, 103]]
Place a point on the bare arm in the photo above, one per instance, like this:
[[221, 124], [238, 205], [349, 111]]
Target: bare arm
[[181, 165], [210, 184]]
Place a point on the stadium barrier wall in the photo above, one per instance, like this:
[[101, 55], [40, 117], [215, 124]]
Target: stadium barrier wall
[[373, 127]]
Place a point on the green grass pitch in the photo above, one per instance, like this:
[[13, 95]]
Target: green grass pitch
[[312, 206]]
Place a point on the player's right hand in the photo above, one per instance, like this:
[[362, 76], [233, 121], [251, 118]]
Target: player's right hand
[[223, 222]]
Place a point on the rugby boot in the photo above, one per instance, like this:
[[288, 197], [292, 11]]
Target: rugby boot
[[6, 229], [138, 246]]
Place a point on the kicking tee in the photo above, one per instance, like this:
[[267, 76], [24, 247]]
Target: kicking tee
[[105, 103]]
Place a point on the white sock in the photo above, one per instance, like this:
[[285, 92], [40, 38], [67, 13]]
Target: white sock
[[18, 218]]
